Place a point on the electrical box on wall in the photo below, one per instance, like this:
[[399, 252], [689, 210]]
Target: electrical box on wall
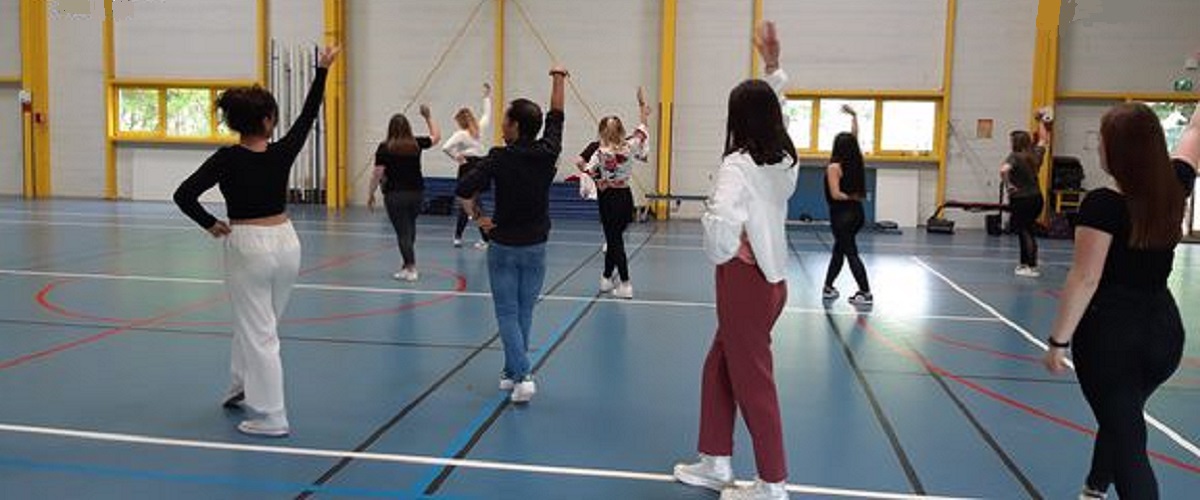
[[1184, 85]]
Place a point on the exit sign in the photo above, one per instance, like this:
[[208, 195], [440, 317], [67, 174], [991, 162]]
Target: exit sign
[[1184, 85]]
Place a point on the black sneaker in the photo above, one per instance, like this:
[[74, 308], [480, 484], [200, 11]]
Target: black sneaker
[[862, 299], [233, 400]]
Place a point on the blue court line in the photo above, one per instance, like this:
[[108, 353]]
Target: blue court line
[[491, 407], [206, 480]]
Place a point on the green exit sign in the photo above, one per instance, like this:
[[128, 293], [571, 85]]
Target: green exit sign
[[1184, 85]]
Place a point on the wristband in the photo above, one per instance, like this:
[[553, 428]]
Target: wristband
[[1057, 344]]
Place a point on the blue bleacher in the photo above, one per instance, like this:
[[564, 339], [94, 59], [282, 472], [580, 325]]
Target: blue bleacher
[[565, 202]]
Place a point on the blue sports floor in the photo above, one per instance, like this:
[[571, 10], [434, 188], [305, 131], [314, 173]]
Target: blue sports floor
[[114, 346]]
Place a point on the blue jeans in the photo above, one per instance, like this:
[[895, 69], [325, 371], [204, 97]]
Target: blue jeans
[[516, 274]]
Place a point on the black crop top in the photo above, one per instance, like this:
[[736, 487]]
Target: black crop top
[[402, 171], [254, 183], [1125, 267]]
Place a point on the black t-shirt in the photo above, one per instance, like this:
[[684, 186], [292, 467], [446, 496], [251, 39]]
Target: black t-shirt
[[402, 171], [1105, 210], [521, 174], [1023, 175]]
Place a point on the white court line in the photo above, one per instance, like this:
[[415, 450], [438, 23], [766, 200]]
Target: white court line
[[1154, 422], [416, 460], [403, 291]]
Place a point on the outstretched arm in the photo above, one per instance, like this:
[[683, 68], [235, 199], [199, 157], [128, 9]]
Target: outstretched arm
[[1189, 145], [485, 115], [766, 41], [298, 134], [853, 119], [641, 136], [435, 134]]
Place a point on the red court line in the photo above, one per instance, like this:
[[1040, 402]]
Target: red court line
[[986, 350], [933, 368], [189, 308]]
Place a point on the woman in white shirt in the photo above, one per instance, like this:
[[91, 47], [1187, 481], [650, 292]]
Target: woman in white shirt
[[745, 235], [465, 146]]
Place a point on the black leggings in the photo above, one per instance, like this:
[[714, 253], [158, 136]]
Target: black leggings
[[1127, 344], [616, 212], [1025, 211], [464, 217], [403, 207], [846, 220]]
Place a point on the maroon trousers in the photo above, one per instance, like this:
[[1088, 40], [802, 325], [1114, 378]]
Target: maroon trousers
[[739, 371]]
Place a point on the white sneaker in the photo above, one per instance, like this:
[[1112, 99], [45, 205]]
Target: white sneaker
[[523, 391], [481, 245], [457, 243], [1028, 272], [757, 491], [624, 291], [1090, 494], [714, 473], [607, 284], [830, 293], [409, 275], [862, 299], [604, 248], [506, 384], [264, 427]]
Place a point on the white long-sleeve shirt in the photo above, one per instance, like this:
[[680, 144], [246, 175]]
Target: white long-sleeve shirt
[[462, 143], [751, 199]]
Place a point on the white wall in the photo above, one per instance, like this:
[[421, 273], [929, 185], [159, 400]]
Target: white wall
[[713, 56], [154, 171], [186, 39], [993, 64], [297, 21], [10, 110], [1119, 45], [77, 99]]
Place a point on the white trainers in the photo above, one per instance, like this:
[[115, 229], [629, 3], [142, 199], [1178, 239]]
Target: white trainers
[[1090, 494], [830, 293], [481, 245], [409, 275], [624, 290], [757, 491], [506, 384], [265, 427], [714, 473], [862, 299], [607, 284], [523, 391], [457, 243], [1027, 272]]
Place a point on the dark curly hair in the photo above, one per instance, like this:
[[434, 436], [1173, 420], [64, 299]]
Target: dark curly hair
[[245, 108]]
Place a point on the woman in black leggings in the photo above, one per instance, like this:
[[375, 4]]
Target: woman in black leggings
[[1020, 172], [398, 169], [845, 190], [1116, 307]]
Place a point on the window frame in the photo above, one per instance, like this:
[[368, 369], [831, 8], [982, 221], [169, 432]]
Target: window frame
[[876, 153], [160, 135]]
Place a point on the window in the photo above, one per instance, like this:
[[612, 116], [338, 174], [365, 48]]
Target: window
[[189, 112], [799, 114], [138, 110], [170, 112], [835, 121], [909, 126], [1174, 117]]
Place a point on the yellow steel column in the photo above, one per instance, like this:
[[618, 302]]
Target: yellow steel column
[[666, 110], [110, 104], [335, 109], [35, 79], [756, 18], [1045, 73], [943, 143], [498, 104]]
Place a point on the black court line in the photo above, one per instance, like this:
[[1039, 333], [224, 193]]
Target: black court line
[[987, 437], [447, 471], [379, 432]]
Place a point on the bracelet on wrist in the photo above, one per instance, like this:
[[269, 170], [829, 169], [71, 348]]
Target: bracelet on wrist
[[1057, 344]]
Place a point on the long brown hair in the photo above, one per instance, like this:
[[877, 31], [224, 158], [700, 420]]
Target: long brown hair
[[400, 139], [1135, 154], [1022, 148]]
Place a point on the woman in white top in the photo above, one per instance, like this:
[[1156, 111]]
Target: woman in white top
[[465, 146], [745, 235], [611, 165]]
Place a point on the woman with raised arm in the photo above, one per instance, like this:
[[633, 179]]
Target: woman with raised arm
[[745, 236], [1116, 314], [611, 165], [845, 190], [398, 170], [1020, 173], [465, 146], [262, 251]]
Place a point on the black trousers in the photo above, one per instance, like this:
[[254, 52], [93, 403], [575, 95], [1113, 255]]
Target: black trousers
[[846, 220], [1025, 212], [616, 212], [460, 226], [403, 207], [1128, 343]]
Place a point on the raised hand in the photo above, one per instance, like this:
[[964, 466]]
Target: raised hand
[[487, 89], [425, 113], [849, 110], [328, 56], [766, 41]]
